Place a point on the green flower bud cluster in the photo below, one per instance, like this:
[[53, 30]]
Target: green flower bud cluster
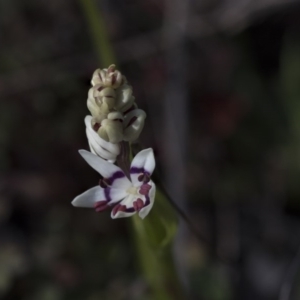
[[115, 116]]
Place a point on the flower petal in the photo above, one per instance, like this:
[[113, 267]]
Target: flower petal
[[124, 208], [113, 195], [122, 213], [143, 162], [114, 175], [133, 124], [89, 197], [149, 201], [99, 151]]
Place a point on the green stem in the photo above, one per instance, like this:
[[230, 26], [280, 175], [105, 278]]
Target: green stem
[[98, 32], [123, 160], [157, 264]]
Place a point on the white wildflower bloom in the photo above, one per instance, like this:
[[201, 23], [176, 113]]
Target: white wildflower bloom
[[98, 145], [126, 196]]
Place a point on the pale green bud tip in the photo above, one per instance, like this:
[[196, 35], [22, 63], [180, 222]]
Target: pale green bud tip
[[124, 98], [100, 100], [111, 131], [109, 77]]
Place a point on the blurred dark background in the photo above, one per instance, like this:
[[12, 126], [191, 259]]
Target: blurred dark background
[[220, 82]]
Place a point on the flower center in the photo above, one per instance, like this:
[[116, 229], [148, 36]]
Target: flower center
[[133, 191]]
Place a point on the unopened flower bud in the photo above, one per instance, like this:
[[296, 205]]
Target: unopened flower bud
[[100, 101], [114, 77], [111, 131], [98, 77], [98, 145], [124, 98], [93, 107], [104, 96], [116, 116], [107, 77], [133, 124]]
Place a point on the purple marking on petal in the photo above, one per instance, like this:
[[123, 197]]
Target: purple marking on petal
[[115, 176], [107, 194], [113, 80], [147, 201], [118, 207], [130, 210], [138, 204], [103, 183], [129, 109], [96, 126], [145, 188], [100, 203], [101, 206], [133, 119], [135, 170], [144, 177]]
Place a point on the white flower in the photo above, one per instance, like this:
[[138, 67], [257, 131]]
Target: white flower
[[99, 146], [126, 196]]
